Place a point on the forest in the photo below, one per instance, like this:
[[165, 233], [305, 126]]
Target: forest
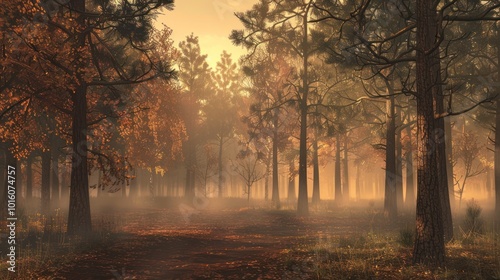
[[353, 139]]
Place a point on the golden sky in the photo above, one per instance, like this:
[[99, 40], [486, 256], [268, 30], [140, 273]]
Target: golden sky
[[210, 20]]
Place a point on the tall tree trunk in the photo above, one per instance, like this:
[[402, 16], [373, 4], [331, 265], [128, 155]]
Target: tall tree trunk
[[291, 180], [410, 189], [449, 161], [219, 187], [399, 162], [390, 195], [79, 221], [45, 190], [358, 182], [429, 241], [303, 200], [497, 142], [29, 178], [345, 189], [338, 180], [55, 176], [134, 190], [276, 191], [315, 194], [268, 171]]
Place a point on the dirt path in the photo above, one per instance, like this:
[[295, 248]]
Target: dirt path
[[236, 244]]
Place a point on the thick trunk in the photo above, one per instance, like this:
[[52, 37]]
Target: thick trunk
[[390, 194], [429, 240], [449, 161], [46, 182], [79, 221], [315, 194], [219, 187], [338, 180], [276, 192]]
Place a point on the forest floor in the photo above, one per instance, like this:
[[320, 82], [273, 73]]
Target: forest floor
[[253, 243]]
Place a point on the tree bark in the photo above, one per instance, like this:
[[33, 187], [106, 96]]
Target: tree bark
[[345, 189], [399, 162], [79, 221], [338, 179], [390, 194], [221, 142], [291, 181], [410, 189], [429, 240], [303, 200], [46, 170], [55, 176], [29, 177], [276, 191], [315, 194]]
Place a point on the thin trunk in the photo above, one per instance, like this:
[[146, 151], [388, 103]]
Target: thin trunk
[[55, 176], [429, 240], [345, 190], [410, 189], [449, 160], [8, 183], [315, 194], [390, 194], [358, 182], [338, 180], [291, 181], [276, 191], [268, 171], [45, 189], [29, 177], [399, 163], [221, 142], [303, 200], [497, 143]]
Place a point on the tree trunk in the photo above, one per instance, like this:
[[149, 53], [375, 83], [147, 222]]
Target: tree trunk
[[429, 240], [390, 194], [276, 191], [399, 162], [497, 144], [45, 190], [55, 176], [338, 180], [291, 181], [303, 200], [29, 178], [134, 190], [79, 221], [221, 142], [268, 170], [345, 189], [449, 161], [410, 189], [315, 194], [358, 183]]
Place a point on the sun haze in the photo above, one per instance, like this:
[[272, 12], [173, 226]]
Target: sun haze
[[211, 21]]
